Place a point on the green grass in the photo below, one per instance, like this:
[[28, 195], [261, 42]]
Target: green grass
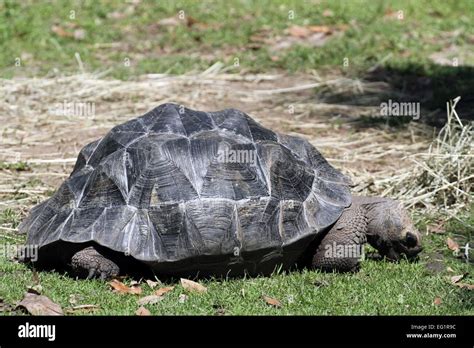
[[379, 288], [16, 166], [225, 31], [10, 217]]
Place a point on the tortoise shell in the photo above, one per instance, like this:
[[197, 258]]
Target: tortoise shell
[[184, 190]]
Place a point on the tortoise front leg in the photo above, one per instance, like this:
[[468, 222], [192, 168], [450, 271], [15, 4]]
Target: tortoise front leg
[[90, 263], [342, 248]]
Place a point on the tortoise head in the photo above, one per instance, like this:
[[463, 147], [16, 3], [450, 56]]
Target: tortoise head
[[391, 230]]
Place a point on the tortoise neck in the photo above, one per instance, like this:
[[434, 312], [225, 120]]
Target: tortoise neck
[[373, 208]]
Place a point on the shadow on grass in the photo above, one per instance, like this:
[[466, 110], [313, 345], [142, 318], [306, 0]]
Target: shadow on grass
[[431, 86]]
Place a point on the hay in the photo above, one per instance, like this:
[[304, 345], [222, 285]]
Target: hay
[[443, 177], [381, 160]]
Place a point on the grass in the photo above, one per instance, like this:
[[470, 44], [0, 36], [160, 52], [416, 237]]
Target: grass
[[41, 35], [380, 288], [224, 31], [15, 166]]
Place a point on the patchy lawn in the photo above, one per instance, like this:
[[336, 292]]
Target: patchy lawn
[[379, 288], [138, 37], [369, 50]]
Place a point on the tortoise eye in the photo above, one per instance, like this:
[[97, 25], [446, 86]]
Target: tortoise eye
[[410, 240]]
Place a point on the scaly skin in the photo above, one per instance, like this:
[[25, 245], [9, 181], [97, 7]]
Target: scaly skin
[[382, 222], [89, 261], [348, 234]]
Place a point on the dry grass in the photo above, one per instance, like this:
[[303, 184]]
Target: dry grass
[[442, 179], [381, 160]]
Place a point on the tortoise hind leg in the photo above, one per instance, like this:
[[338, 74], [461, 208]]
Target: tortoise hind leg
[[342, 247], [89, 263]]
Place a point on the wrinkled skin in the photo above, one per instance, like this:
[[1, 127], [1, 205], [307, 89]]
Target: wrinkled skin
[[382, 222], [91, 263], [391, 230]]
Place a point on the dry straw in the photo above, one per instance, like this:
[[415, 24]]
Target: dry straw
[[443, 178]]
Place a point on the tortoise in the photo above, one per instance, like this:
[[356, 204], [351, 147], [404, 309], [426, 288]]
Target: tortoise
[[186, 192]]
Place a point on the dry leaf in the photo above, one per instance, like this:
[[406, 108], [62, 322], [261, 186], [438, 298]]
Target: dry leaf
[[455, 279], [190, 21], [312, 35], [392, 14], [449, 269], [40, 305], [298, 31], [465, 286], [152, 299], [182, 298], [169, 22], [452, 245], [123, 289], [119, 286], [437, 301], [59, 31], [152, 284], [316, 40], [320, 29], [83, 308], [36, 289], [142, 311], [303, 32], [272, 301], [191, 286], [135, 290], [193, 22], [163, 291]]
